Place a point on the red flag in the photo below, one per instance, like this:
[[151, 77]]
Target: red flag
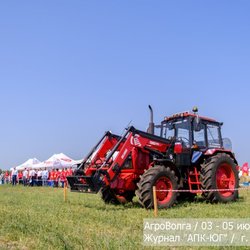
[[245, 168]]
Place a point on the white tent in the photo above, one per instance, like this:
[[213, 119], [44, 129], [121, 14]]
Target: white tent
[[28, 164], [39, 165], [65, 161], [57, 161]]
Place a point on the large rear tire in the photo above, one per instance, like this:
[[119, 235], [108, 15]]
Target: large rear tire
[[219, 172], [165, 180]]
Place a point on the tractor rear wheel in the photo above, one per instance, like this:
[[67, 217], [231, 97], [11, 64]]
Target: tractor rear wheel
[[219, 172], [108, 196], [165, 180]]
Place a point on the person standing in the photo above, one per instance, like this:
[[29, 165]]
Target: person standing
[[69, 172], [6, 177], [33, 177], [56, 178], [45, 176], [25, 177], [14, 174], [20, 177], [63, 177], [1, 178], [39, 177], [51, 177]]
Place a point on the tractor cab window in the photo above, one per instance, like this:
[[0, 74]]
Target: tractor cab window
[[168, 131], [213, 136], [199, 137], [182, 129], [158, 130], [179, 129]]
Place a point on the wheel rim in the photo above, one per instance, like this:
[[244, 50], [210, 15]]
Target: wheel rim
[[164, 187], [225, 179]]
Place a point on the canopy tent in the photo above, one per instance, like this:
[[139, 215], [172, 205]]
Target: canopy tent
[[57, 161], [31, 163]]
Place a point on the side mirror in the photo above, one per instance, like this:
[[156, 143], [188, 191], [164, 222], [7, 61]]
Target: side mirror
[[227, 144]]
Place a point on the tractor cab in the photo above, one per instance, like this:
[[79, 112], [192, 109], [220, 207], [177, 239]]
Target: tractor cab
[[193, 133]]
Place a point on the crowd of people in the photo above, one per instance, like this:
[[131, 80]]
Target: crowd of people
[[39, 177]]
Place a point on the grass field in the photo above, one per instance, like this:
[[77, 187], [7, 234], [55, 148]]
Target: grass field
[[38, 218]]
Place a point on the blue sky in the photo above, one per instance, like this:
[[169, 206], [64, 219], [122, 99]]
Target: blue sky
[[70, 70]]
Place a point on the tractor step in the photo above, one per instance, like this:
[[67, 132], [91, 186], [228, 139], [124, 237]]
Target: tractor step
[[194, 181], [83, 184]]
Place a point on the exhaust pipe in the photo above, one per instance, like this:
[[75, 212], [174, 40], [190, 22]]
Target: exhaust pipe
[[151, 126]]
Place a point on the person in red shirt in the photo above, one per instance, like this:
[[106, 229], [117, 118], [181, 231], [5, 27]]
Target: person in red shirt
[[245, 169], [7, 177], [56, 177], [52, 177], [20, 177], [63, 177], [69, 172]]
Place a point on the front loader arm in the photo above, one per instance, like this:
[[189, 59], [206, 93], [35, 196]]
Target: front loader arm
[[138, 139], [108, 136], [110, 169], [116, 166]]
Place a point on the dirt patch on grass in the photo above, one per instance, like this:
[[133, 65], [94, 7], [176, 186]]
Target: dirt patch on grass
[[11, 245]]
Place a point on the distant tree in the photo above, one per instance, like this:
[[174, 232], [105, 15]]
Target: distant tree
[[1, 170]]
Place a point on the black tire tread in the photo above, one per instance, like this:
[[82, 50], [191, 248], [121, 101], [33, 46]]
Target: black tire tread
[[147, 180], [208, 178], [108, 196]]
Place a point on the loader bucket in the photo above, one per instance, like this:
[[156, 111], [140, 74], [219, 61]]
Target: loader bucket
[[83, 184]]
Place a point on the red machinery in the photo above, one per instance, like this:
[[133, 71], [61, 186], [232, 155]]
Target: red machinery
[[93, 160], [189, 154]]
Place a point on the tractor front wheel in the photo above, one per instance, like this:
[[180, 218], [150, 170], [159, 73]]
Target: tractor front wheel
[[165, 181], [108, 196], [219, 174]]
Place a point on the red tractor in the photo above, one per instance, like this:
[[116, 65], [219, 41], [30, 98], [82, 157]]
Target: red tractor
[[189, 154]]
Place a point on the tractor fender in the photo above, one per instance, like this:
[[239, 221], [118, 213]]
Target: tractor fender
[[214, 151], [168, 163]]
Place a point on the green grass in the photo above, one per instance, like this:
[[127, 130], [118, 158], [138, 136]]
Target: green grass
[[38, 218]]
